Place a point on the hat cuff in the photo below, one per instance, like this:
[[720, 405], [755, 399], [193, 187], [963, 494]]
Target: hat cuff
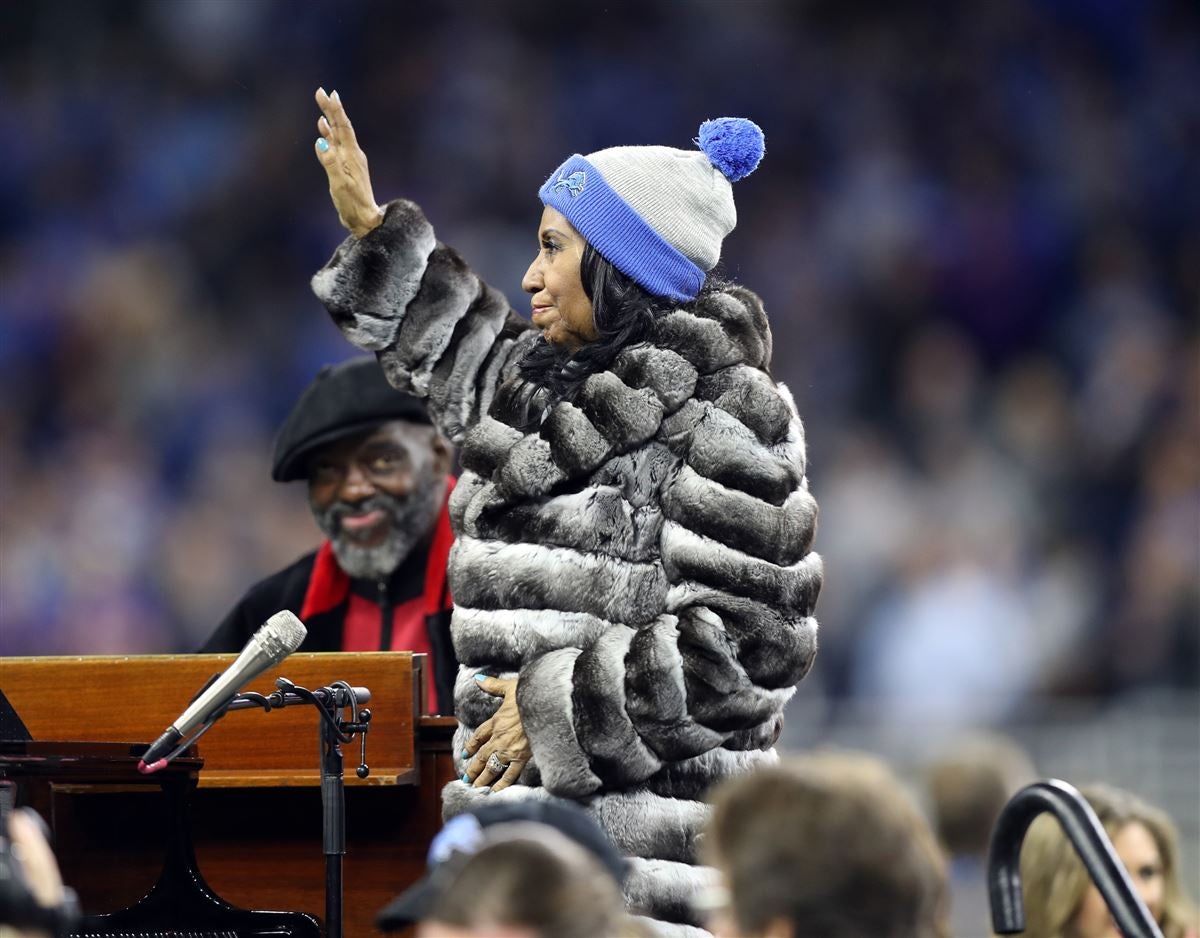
[[618, 232]]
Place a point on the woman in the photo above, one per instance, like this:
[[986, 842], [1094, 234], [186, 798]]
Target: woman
[[633, 576], [1060, 899]]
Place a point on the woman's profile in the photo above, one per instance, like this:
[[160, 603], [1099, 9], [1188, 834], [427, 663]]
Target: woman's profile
[[633, 574], [1062, 902]]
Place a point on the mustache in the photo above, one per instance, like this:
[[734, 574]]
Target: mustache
[[390, 505]]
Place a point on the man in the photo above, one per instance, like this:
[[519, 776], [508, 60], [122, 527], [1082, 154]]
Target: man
[[967, 786], [829, 844], [378, 488]]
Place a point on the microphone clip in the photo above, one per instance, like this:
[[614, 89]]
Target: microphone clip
[[331, 701]]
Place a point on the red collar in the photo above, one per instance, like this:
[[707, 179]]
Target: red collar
[[329, 584]]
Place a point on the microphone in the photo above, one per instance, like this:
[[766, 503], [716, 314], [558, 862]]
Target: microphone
[[277, 638]]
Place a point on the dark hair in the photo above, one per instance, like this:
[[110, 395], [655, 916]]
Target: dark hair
[[623, 312]]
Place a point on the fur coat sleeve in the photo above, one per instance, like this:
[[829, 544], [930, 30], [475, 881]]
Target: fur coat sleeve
[[438, 330], [734, 632]]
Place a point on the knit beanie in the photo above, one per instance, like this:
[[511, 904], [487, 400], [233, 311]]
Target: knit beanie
[[659, 214]]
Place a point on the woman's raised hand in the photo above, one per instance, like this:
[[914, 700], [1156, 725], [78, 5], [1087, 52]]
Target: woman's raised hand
[[346, 166]]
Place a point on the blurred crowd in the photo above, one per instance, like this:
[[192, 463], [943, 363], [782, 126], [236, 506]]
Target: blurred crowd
[[973, 231]]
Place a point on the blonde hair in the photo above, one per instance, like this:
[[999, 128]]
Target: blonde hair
[[1054, 879]]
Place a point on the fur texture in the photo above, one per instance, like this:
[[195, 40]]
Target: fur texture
[[642, 562]]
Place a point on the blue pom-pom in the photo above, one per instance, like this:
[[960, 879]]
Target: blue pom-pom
[[732, 144]]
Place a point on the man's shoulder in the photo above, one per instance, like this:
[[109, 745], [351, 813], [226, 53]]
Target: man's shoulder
[[284, 589]]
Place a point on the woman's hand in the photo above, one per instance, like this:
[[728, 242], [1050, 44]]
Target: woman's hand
[[502, 736], [346, 165]]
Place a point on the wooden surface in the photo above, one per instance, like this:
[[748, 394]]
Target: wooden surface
[[135, 698], [258, 846], [75, 764]]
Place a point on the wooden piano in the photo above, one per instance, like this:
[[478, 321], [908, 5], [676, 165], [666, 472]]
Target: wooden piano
[[254, 805]]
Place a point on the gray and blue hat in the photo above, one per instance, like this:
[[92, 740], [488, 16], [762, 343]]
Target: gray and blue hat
[[659, 214]]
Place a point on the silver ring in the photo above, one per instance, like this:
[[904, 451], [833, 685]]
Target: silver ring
[[495, 765]]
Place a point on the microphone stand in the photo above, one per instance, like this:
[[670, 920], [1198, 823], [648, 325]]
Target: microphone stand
[[335, 731]]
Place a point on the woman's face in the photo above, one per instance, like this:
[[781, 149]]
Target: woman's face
[[561, 309], [1138, 850]]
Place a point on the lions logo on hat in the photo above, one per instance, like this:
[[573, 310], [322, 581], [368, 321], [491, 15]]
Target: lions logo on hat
[[573, 184]]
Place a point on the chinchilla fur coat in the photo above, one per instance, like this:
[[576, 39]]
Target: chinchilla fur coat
[[641, 558]]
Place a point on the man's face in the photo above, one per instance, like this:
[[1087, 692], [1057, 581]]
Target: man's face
[[376, 494]]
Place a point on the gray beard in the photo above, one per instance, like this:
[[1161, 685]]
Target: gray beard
[[410, 520]]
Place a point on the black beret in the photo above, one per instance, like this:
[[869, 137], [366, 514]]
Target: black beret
[[342, 400]]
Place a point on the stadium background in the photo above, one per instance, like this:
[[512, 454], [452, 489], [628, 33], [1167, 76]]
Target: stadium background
[[975, 230]]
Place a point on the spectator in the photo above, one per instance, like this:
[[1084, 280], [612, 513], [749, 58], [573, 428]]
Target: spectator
[[520, 870], [826, 845], [533, 883], [1062, 902], [968, 786]]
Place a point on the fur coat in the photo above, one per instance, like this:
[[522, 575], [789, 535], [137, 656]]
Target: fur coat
[[641, 560]]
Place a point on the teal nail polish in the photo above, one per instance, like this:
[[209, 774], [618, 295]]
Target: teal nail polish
[[322, 144], [480, 677], [466, 755], [465, 779]]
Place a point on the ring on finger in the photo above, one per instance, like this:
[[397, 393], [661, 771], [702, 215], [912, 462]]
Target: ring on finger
[[495, 765]]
